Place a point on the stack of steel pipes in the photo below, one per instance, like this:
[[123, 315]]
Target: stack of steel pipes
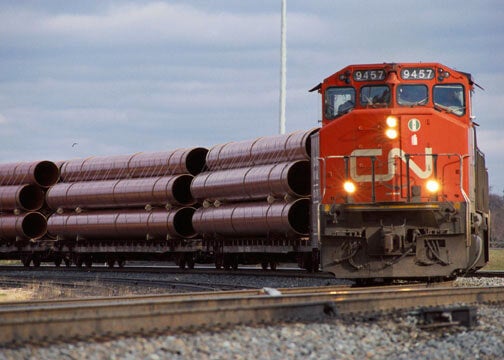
[[140, 196], [22, 189], [255, 188]]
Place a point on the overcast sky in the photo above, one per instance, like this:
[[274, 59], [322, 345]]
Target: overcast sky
[[117, 77]]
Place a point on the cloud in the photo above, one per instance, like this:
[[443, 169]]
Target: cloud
[[120, 77]]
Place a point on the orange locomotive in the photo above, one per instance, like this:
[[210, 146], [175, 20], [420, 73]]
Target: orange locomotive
[[400, 189]]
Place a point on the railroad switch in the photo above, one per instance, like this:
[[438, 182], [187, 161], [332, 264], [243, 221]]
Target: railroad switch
[[439, 317]]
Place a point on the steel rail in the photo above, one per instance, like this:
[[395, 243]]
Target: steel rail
[[143, 315]]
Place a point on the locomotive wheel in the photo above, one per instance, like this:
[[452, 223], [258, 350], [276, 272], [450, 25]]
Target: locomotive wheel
[[36, 262], [88, 262], [273, 265], [110, 263], [121, 262], [68, 262], [57, 262], [79, 262], [264, 265]]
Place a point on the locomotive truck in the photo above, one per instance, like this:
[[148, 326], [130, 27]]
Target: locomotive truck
[[392, 185]]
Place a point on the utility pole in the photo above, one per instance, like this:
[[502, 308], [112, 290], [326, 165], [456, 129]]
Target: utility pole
[[283, 66]]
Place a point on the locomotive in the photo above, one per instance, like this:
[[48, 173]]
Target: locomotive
[[402, 188], [392, 185]]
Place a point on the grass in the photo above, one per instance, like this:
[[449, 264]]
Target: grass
[[496, 260]]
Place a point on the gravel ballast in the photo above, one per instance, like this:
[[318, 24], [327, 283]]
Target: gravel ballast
[[385, 336]]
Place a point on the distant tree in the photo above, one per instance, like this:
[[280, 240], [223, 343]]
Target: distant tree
[[496, 220]]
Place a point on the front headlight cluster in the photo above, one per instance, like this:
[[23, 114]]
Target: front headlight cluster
[[392, 123]]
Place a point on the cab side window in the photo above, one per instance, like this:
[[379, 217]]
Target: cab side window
[[338, 101], [450, 97]]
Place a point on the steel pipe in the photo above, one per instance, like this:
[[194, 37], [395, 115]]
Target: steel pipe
[[167, 190], [252, 183], [180, 161], [41, 173], [254, 219], [25, 197], [264, 150], [124, 224], [32, 225]]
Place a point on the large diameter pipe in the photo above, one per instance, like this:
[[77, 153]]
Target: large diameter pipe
[[254, 219], [41, 173], [126, 224], [252, 183], [32, 225], [180, 161], [25, 197], [166, 190], [264, 150]]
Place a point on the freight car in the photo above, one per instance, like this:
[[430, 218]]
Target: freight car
[[392, 185]]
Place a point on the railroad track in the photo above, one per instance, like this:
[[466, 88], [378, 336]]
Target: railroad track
[[249, 271], [104, 283], [74, 319]]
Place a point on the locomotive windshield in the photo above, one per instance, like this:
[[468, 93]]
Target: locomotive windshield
[[375, 95], [338, 101], [412, 95], [450, 98]]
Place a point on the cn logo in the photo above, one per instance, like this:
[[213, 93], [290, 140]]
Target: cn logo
[[393, 153]]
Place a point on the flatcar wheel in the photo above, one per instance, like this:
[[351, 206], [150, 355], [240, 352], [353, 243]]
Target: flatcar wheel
[[273, 265], [26, 260], [57, 262], [190, 262], [110, 263], [88, 262], [36, 262], [68, 262], [79, 262], [234, 265], [121, 263], [219, 261], [264, 265]]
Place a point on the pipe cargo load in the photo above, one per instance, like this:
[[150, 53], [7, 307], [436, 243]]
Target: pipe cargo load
[[31, 225], [25, 197], [160, 191], [264, 150], [254, 219], [253, 183], [157, 224], [180, 161], [41, 173]]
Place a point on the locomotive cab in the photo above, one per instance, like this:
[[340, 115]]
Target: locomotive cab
[[400, 189]]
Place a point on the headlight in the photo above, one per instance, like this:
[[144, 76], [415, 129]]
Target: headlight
[[432, 186], [391, 133], [392, 121], [349, 187]]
